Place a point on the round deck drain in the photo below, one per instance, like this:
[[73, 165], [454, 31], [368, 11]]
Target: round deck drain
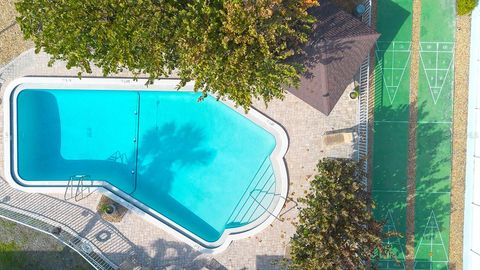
[[86, 248]]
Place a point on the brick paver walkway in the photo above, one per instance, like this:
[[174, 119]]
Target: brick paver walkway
[[155, 249]]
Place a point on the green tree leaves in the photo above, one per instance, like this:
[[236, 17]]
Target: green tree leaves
[[231, 48], [465, 7], [336, 228]]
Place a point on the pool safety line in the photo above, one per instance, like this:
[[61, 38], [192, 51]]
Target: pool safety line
[[136, 141]]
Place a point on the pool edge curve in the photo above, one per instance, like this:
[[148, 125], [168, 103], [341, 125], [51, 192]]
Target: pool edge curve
[[229, 235]]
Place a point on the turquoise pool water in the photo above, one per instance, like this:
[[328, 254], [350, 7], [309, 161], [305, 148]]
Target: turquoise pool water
[[202, 165]]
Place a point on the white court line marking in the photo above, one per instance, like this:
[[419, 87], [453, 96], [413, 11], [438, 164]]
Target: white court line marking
[[431, 88], [418, 122], [436, 69], [389, 224], [402, 191], [389, 191], [392, 68], [437, 228]]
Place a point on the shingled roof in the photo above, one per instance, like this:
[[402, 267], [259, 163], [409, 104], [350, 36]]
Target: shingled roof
[[333, 55]]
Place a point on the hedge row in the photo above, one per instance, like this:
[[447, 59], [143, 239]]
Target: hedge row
[[465, 6]]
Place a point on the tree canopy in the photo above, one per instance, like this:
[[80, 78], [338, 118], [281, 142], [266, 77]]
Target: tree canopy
[[230, 48], [336, 228]]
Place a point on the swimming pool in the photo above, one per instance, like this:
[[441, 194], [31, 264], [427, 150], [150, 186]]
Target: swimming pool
[[204, 171]]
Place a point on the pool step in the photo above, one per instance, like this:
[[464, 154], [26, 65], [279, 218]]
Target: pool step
[[257, 197]]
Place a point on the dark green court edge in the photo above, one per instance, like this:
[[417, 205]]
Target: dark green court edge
[[390, 130]]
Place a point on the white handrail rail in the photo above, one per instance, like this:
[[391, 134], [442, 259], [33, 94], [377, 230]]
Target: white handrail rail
[[94, 257], [364, 84]]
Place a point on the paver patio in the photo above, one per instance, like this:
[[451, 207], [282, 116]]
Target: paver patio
[[153, 248]]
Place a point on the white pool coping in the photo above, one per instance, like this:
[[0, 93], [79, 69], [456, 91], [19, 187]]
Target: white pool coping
[[471, 229], [229, 235]]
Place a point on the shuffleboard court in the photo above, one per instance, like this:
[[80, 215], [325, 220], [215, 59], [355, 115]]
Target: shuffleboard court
[[437, 37], [392, 65], [435, 81], [432, 226], [392, 78], [393, 211], [390, 131], [434, 135]]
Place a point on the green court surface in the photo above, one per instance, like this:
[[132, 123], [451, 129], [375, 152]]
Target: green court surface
[[393, 211], [435, 83], [434, 151], [437, 36], [432, 227], [434, 135], [390, 156], [392, 54], [390, 131], [392, 71], [394, 20]]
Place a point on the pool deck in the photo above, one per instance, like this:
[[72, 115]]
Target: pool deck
[[137, 242]]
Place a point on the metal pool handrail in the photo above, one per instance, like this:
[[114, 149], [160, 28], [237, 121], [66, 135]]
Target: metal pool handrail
[[92, 256], [236, 211]]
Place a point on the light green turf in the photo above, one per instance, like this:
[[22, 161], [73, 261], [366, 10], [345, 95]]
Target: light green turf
[[392, 54], [390, 156], [391, 208], [434, 135], [432, 227], [434, 152], [437, 36], [435, 85], [437, 20]]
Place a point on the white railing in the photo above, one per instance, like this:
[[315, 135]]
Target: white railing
[[88, 251], [362, 145], [262, 183]]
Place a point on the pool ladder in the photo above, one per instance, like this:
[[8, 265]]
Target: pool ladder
[[77, 188]]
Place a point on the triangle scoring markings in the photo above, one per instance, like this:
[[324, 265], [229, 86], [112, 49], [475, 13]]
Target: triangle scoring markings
[[432, 80], [431, 229], [390, 263], [395, 80]]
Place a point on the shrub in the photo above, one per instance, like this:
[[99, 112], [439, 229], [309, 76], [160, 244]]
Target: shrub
[[465, 7], [234, 49], [336, 228]]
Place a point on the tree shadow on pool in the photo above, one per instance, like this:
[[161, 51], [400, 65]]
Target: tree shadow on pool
[[163, 151]]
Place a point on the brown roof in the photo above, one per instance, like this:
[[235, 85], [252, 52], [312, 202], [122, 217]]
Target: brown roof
[[333, 55]]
